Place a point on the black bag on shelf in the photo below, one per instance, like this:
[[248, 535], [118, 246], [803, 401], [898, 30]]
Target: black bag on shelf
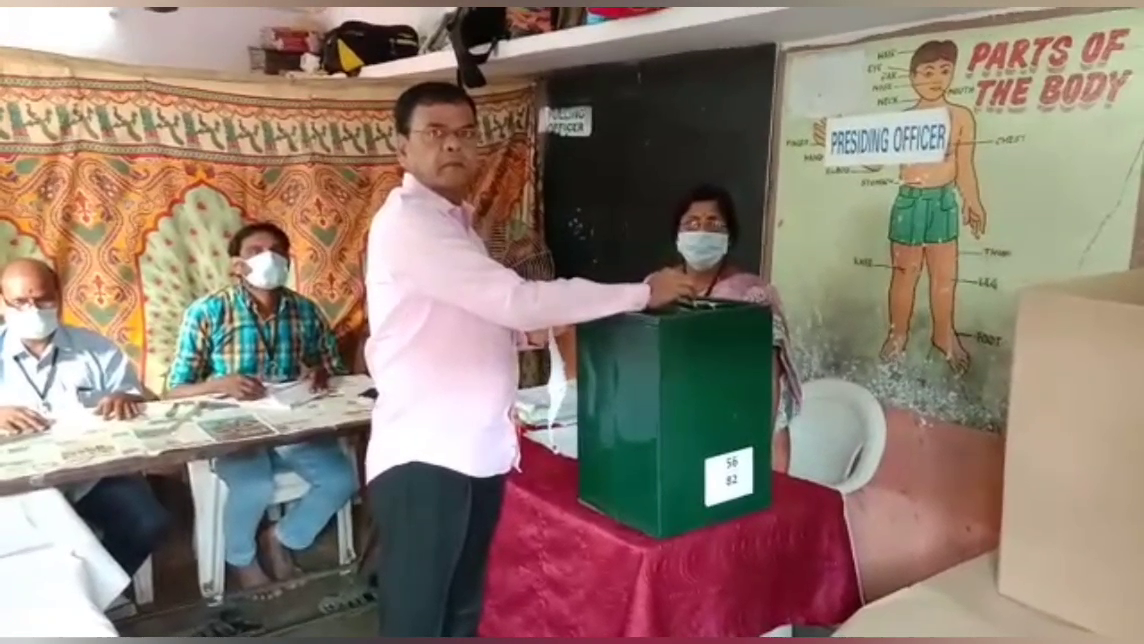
[[354, 44], [474, 33]]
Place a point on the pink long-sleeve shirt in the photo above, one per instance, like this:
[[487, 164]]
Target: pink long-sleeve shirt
[[444, 318]]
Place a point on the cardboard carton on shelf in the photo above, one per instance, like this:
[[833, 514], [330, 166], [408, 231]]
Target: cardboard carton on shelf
[[1072, 529]]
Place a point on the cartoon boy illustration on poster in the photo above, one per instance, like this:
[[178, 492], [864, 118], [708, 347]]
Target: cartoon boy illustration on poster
[[924, 221]]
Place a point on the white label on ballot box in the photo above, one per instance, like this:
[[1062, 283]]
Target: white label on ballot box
[[728, 477]]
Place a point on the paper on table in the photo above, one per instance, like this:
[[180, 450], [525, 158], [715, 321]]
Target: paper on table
[[92, 448], [168, 435], [350, 385], [279, 395], [25, 456], [292, 394], [74, 421], [562, 440], [330, 411], [225, 425], [532, 406]]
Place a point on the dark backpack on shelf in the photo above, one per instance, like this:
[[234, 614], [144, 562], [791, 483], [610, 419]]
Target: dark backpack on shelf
[[474, 33], [354, 44]]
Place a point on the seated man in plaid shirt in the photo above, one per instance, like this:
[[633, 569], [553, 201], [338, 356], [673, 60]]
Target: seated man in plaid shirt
[[232, 343]]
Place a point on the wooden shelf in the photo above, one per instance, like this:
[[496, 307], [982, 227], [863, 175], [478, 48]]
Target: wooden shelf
[[671, 31]]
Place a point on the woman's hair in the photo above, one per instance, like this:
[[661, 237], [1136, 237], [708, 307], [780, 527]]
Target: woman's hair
[[723, 201]]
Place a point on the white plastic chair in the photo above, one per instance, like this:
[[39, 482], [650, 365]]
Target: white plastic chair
[[143, 590], [838, 438], [209, 492], [143, 584]]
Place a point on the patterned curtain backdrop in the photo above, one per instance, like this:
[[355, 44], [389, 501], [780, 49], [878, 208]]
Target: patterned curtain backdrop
[[131, 180]]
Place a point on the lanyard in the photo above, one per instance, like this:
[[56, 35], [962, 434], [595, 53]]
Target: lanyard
[[42, 394], [714, 280], [267, 337]]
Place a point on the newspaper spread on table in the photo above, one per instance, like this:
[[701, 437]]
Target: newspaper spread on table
[[26, 456], [82, 441], [167, 427]]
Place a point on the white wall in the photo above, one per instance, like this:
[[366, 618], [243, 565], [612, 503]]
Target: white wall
[[423, 19], [212, 38], [853, 36]]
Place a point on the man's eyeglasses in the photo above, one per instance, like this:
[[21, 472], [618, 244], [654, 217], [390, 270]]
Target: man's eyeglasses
[[466, 135]]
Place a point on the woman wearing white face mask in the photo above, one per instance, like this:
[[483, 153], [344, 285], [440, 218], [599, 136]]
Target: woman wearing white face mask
[[706, 229]]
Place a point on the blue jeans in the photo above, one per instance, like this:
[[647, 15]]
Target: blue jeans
[[250, 481], [132, 521]]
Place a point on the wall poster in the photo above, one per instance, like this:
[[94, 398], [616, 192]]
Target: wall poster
[[903, 276]]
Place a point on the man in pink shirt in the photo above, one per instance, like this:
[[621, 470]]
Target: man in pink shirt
[[446, 322]]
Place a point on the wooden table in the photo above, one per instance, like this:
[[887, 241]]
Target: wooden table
[[324, 417], [325, 425]]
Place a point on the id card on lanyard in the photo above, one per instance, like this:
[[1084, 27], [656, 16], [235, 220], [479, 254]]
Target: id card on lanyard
[[267, 331], [49, 381]]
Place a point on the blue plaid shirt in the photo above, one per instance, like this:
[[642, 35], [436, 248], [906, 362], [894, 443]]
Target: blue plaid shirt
[[222, 334]]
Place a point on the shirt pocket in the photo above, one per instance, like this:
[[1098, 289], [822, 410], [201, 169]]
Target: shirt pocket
[[78, 382]]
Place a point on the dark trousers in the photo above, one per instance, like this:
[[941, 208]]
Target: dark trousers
[[132, 522], [435, 528]]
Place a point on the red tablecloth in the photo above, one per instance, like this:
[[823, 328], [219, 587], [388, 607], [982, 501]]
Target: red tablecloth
[[559, 569]]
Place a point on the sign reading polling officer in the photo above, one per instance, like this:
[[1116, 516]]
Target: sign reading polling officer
[[913, 136]]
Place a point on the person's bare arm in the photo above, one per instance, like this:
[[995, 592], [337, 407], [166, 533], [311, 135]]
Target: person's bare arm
[[187, 377], [965, 151], [208, 388]]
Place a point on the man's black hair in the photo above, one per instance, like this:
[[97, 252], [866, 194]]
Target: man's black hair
[[723, 202], [234, 247], [425, 94]]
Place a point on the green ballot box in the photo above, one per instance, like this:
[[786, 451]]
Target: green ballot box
[[675, 415]]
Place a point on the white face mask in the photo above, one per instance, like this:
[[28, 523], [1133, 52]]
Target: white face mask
[[557, 386], [268, 270], [702, 250], [33, 323]]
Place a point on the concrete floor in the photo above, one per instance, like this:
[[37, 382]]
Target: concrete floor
[[361, 623], [321, 603], [180, 611]]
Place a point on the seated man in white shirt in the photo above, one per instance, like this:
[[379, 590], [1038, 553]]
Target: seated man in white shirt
[[47, 368]]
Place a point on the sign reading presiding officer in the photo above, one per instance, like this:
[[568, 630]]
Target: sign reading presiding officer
[[913, 136]]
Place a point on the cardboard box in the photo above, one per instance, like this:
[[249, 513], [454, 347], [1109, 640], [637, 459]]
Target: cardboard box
[[1072, 527], [961, 602]]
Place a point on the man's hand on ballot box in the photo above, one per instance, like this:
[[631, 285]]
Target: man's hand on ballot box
[[669, 285]]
